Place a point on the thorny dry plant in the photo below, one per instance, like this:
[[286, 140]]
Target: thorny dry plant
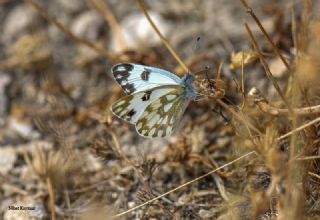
[[245, 154]]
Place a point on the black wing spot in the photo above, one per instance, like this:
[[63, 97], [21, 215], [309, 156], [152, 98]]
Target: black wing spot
[[146, 95], [121, 72], [145, 75], [131, 112]]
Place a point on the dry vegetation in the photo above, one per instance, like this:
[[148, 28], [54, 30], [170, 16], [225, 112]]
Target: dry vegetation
[[250, 150]]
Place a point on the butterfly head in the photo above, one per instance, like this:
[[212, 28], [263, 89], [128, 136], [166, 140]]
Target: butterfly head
[[188, 84]]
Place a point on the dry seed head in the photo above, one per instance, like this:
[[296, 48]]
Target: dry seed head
[[212, 88], [242, 58], [53, 164], [103, 150]]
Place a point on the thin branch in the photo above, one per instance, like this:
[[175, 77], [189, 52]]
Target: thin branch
[[314, 175], [298, 129], [136, 169], [51, 198], [241, 118], [266, 67], [308, 158], [264, 106], [163, 40], [111, 20], [256, 19], [182, 186], [65, 30]]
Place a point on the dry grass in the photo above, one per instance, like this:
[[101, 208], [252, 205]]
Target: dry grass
[[239, 154]]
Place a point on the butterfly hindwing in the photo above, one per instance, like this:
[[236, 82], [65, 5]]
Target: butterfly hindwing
[[161, 116], [134, 78], [132, 106]]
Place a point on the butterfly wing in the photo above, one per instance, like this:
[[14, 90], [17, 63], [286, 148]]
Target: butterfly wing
[[134, 78], [160, 117], [130, 107]]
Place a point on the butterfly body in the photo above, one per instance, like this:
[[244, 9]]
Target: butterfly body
[[156, 98]]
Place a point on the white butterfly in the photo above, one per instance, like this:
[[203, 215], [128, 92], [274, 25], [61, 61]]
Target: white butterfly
[[156, 98]]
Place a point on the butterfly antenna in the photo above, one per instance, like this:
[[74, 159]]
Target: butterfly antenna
[[193, 52], [221, 114], [228, 101]]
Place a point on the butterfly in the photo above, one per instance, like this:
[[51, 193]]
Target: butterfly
[[156, 99]]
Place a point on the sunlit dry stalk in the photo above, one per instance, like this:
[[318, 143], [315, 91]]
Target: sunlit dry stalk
[[239, 116], [163, 40], [256, 19], [308, 158], [121, 153], [299, 129], [266, 67], [264, 106], [183, 185], [110, 18], [136, 169], [314, 175], [51, 198], [74, 37]]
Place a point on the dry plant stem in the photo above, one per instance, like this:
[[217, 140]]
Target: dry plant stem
[[51, 198], [120, 152], [265, 107], [266, 68], [241, 118], [103, 8], [308, 158], [163, 40], [298, 129], [184, 185], [314, 175], [78, 39], [136, 169], [256, 19]]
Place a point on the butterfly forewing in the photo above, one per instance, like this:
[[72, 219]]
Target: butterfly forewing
[[134, 78], [160, 117], [132, 106]]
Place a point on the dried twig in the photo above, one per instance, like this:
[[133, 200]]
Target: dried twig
[[163, 40], [183, 185], [65, 30], [314, 175], [136, 169], [110, 18], [266, 67], [264, 106], [240, 117], [298, 129], [256, 19], [51, 198]]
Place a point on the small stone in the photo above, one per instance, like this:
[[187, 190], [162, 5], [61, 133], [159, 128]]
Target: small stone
[[72, 6], [21, 20], [4, 82], [277, 68], [138, 33], [23, 128], [89, 25], [7, 159]]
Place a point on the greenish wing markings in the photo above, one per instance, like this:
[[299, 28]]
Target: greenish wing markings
[[163, 108], [120, 108]]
